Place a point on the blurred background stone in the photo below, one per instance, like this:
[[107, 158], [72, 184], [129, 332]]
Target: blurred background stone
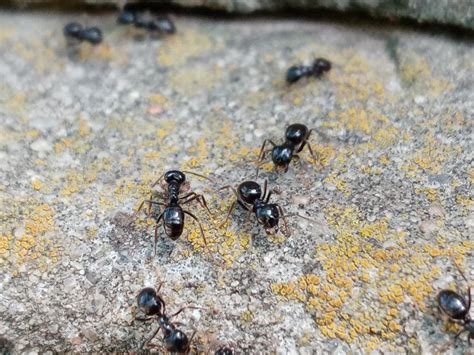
[[456, 12]]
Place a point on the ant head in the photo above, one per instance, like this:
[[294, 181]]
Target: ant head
[[176, 341], [72, 29], [149, 302], [321, 65], [164, 24], [175, 176], [282, 155], [126, 17], [268, 216], [296, 133], [250, 191]]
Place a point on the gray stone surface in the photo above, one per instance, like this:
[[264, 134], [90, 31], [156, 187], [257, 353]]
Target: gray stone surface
[[390, 198], [456, 12]]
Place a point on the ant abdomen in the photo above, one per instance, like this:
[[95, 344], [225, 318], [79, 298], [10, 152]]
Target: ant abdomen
[[177, 342], [148, 302]]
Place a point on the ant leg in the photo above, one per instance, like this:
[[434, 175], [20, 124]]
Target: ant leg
[[182, 309], [312, 154], [156, 233], [140, 319], [228, 214], [202, 231], [155, 202], [287, 232], [157, 181], [150, 338], [200, 175], [262, 150], [468, 288], [298, 215], [135, 214], [460, 332], [190, 341], [265, 183], [229, 187], [262, 153], [304, 142], [200, 198]]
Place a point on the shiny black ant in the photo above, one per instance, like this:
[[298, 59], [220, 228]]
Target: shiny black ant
[[76, 33], [318, 68], [251, 198], [456, 307], [174, 185], [158, 25], [296, 138], [152, 305]]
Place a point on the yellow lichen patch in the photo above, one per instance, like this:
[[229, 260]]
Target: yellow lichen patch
[[339, 183], [415, 70], [36, 184], [358, 258], [176, 50], [246, 316], [33, 246], [430, 193], [194, 80], [384, 160], [324, 153]]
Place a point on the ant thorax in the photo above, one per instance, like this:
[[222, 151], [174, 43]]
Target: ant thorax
[[183, 188]]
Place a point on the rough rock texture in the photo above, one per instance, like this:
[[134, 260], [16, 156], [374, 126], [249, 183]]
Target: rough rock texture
[[458, 12], [391, 199]]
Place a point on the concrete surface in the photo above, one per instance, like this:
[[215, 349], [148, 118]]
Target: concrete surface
[[83, 137]]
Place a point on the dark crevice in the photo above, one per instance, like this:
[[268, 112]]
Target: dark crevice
[[354, 17]]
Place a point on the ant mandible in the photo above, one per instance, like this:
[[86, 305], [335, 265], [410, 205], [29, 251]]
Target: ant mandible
[[174, 184], [152, 304], [76, 33], [296, 72], [296, 138], [250, 196], [456, 307]]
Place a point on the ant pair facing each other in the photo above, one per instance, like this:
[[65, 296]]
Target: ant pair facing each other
[[250, 197], [153, 306], [159, 25], [76, 33], [456, 307]]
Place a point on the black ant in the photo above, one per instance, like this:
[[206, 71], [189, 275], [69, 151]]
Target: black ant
[[456, 307], [296, 138], [160, 24], [152, 304], [174, 184], [318, 68], [76, 33], [250, 196]]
